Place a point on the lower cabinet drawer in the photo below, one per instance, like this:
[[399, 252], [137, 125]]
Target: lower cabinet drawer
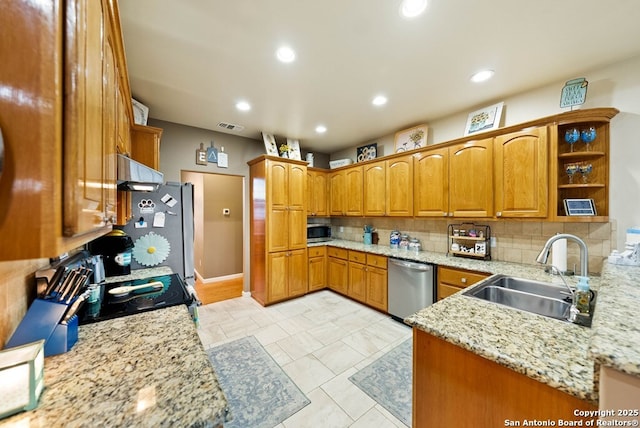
[[317, 251], [459, 277], [377, 261], [339, 253]]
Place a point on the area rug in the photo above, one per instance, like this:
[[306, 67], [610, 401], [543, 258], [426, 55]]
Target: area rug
[[259, 393], [388, 380]]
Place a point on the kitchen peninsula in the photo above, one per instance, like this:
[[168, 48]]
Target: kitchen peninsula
[[544, 352]]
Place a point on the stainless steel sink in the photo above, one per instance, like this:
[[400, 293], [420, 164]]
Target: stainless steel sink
[[542, 298]]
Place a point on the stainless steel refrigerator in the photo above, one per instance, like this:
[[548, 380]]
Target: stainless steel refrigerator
[[162, 229]]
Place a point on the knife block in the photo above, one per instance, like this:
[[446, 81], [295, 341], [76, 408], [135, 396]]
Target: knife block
[[42, 321]]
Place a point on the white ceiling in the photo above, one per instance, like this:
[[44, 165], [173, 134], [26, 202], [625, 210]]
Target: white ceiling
[[190, 61]]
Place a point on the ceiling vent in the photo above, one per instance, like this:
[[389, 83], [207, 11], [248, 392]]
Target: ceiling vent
[[230, 127]]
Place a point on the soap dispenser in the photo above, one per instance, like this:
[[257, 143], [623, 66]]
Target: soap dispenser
[[583, 295]]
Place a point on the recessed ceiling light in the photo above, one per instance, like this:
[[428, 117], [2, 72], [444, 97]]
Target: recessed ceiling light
[[321, 129], [483, 75], [243, 106], [286, 54], [412, 8], [379, 100]]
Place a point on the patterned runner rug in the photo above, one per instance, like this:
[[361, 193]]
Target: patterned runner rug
[[259, 393], [388, 380]]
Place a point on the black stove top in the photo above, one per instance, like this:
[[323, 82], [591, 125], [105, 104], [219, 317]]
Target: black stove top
[[172, 293]]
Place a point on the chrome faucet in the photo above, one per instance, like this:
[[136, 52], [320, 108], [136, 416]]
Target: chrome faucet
[[584, 265], [584, 252]]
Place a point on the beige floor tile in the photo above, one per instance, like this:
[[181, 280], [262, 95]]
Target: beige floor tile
[[348, 396], [296, 324], [270, 334], [364, 341], [321, 412], [278, 354], [328, 332], [338, 357], [373, 419], [299, 345], [308, 372]]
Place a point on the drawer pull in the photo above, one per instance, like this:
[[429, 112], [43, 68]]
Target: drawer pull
[[463, 280]]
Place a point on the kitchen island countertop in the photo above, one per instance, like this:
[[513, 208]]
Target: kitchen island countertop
[[143, 370]]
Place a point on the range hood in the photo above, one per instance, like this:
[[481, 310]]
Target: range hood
[[136, 177]]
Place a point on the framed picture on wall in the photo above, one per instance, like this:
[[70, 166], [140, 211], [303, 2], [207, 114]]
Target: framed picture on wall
[[411, 139], [484, 119], [270, 144], [294, 149], [368, 152]]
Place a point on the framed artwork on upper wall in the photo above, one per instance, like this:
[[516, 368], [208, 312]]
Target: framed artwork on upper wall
[[368, 152], [411, 139], [484, 119], [270, 144], [294, 149]]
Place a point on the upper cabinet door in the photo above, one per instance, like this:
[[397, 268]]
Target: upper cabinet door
[[336, 193], [431, 183], [399, 186], [85, 83], [470, 179], [374, 189], [277, 185], [354, 191], [521, 174], [297, 189]]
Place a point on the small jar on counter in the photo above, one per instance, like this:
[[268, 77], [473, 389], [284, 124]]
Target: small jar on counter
[[404, 242], [414, 245]]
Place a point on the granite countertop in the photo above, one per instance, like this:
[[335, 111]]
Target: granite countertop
[[615, 340], [143, 370], [563, 355]]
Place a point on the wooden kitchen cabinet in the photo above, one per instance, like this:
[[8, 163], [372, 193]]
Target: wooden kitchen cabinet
[[346, 192], [375, 178], [338, 270], [317, 268], [451, 280], [145, 145], [317, 200], [431, 183], [470, 179], [455, 386], [377, 276], [286, 275], [388, 187], [59, 183], [521, 174], [368, 279], [399, 186], [278, 229], [597, 185]]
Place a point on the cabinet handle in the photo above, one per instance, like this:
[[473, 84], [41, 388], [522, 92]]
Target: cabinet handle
[[450, 214], [463, 280], [499, 214]]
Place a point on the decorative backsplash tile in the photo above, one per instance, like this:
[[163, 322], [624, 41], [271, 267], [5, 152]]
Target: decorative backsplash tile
[[516, 241]]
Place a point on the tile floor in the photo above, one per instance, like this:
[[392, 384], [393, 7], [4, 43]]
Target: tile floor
[[319, 340]]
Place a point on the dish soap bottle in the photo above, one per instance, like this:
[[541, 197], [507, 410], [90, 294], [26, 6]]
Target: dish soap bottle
[[583, 295]]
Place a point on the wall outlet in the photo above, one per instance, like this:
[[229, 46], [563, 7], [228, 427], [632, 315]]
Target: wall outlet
[[494, 242], [341, 229]]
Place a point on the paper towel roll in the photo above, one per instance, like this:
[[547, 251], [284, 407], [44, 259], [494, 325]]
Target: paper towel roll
[[559, 254]]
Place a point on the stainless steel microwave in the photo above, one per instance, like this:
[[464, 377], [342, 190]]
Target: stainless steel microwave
[[318, 232]]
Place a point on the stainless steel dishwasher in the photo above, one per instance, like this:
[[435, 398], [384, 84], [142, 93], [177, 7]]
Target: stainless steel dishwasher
[[410, 287]]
